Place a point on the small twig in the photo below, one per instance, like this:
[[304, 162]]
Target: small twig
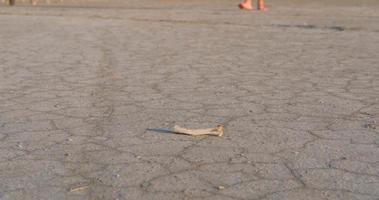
[[78, 188]]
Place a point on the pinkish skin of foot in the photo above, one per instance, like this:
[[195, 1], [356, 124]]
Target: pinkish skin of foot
[[261, 5], [245, 6]]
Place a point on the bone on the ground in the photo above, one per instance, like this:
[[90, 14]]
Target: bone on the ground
[[218, 131]]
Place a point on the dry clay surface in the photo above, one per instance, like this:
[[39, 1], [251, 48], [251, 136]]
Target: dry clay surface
[[86, 92]]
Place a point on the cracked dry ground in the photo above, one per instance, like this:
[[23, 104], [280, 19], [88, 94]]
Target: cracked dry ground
[[298, 93]]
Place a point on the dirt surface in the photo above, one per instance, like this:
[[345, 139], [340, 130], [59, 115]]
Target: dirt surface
[[87, 92], [320, 4]]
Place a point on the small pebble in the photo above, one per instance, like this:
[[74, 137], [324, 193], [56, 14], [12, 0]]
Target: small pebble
[[70, 139], [145, 184], [220, 187]]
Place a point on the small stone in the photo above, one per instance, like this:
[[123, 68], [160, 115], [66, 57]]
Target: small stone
[[117, 175], [220, 187], [370, 126], [145, 185], [70, 139]]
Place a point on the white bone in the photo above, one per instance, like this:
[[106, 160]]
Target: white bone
[[218, 131]]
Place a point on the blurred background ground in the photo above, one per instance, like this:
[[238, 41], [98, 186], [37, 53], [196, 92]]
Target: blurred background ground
[[216, 3]]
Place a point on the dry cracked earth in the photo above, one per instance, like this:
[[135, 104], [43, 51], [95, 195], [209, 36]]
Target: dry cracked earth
[[86, 92]]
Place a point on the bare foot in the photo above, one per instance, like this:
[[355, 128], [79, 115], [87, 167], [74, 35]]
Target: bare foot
[[261, 5], [245, 6], [262, 9]]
